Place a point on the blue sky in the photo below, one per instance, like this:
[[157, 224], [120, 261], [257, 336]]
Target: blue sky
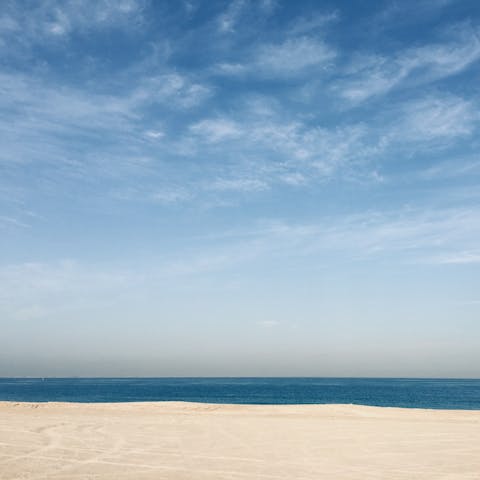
[[240, 188]]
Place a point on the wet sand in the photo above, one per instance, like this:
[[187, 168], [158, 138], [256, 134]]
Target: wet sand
[[175, 440]]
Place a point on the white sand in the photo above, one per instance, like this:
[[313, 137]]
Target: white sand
[[200, 441]]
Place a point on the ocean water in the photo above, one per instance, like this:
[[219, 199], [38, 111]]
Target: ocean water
[[392, 392]]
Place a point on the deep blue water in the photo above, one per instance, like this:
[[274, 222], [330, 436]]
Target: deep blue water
[[393, 392]]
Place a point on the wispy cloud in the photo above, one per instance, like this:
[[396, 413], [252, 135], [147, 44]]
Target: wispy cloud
[[253, 143], [154, 134], [400, 13], [260, 145], [175, 150], [36, 109], [452, 168], [458, 258], [295, 149], [316, 22], [60, 290], [435, 237], [373, 75], [171, 195], [444, 236], [52, 22], [216, 129], [228, 19], [67, 277], [7, 222], [442, 119], [171, 89], [293, 57], [238, 184]]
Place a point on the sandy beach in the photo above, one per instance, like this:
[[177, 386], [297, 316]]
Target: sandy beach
[[174, 440]]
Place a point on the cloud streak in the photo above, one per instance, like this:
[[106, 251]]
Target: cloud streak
[[295, 57], [53, 21], [375, 75]]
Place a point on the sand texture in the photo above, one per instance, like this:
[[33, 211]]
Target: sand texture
[[201, 441]]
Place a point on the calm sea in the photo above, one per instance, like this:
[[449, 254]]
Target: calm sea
[[392, 392]]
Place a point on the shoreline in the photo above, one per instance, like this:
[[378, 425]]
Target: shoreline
[[37, 404]]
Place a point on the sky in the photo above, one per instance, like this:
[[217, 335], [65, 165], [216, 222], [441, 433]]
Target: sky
[[240, 188]]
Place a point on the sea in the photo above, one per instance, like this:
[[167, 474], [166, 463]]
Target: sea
[[386, 392]]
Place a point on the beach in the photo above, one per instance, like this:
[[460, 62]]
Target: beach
[[176, 440]]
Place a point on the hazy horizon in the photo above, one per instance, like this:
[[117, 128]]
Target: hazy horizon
[[240, 188]]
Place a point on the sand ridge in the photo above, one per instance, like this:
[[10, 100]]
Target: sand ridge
[[179, 440]]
